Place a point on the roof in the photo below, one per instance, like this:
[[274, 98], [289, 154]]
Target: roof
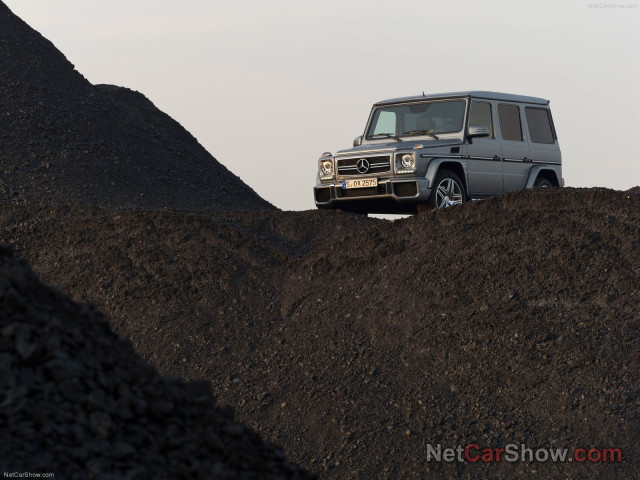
[[508, 97]]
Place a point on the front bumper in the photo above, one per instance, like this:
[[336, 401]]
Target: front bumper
[[393, 195]]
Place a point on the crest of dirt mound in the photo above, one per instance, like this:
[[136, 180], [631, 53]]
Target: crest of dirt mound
[[66, 141]]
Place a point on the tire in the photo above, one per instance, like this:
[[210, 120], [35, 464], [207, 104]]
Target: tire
[[448, 191], [543, 183]]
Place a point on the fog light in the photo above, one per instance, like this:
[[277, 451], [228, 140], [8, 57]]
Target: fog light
[[407, 161]]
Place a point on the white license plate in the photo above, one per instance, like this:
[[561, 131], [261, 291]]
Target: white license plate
[[360, 183]]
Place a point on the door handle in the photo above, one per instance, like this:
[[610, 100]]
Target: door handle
[[496, 158]]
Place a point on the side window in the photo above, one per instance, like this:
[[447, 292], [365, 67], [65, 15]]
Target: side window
[[480, 115], [539, 125], [510, 126]]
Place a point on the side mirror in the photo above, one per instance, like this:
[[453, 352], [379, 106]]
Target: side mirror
[[478, 131], [357, 141]]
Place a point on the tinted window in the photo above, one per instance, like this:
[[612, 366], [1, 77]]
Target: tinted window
[[510, 127], [480, 115], [539, 125]]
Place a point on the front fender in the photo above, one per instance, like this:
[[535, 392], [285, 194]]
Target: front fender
[[456, 165]]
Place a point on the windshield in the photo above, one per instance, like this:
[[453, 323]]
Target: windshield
[[428, 118]]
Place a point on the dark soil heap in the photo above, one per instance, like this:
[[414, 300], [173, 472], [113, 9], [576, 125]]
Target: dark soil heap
[[65, 141], [355, 343], [78, 402], [633, 192]]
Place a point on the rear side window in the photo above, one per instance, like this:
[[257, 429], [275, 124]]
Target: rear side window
[[509, 116], [539, 125], [480, 115]]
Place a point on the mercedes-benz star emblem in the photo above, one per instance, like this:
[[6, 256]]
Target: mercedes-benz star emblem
[[363, 165]]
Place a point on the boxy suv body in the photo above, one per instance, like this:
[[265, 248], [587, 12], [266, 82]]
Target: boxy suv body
[[442, 150]]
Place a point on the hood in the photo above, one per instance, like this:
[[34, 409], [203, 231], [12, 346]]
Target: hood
[[394, 146]]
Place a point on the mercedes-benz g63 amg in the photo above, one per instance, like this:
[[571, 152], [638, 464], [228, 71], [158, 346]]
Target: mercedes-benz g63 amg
[[442, 150]]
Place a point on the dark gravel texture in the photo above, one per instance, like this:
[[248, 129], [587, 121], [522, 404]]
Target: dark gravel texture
[[78, 402], [65, 141], [633, 192], [354, 343]]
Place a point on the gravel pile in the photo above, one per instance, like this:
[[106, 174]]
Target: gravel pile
[[65, 141], [633, 192], [78, 402], [355, 343]]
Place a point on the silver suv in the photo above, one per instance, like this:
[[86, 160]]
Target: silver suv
[[442, 150]]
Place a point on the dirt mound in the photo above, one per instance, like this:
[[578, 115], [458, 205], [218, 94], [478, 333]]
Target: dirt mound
[[65, 141], [357, 343], [633, 192], [78, 402]]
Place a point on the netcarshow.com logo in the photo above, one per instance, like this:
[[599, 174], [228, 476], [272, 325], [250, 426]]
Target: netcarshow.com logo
[[512, 452]]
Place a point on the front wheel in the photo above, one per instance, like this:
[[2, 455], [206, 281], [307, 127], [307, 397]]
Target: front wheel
[[448, 190]]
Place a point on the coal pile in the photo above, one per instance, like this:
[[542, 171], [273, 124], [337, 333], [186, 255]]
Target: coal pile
[[78, 402], [65, 141], [356, 343], [633, 192]]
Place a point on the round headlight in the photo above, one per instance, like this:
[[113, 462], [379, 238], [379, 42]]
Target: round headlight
[[407, 161], [327, 168]]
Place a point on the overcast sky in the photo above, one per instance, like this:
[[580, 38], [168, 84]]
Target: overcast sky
[[266, 87]]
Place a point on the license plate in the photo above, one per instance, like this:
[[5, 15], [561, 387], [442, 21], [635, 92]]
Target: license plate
[[360, 183]]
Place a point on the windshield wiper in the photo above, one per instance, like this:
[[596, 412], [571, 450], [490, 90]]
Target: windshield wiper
[[422, 132], [386, 135]]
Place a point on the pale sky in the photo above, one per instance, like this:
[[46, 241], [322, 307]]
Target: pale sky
[[266, 87]]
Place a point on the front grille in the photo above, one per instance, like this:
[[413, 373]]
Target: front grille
[[376, 165]]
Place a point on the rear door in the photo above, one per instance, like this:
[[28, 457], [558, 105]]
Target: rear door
[[515, 149], [484, 168]]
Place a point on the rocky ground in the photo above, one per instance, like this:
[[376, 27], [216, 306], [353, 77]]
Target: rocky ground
[[352, 343], [77, 401]]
